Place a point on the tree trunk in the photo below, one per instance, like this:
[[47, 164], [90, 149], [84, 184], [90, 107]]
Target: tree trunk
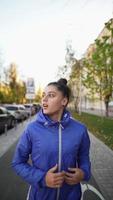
[[106, 101], [76, 104], [106, 106]]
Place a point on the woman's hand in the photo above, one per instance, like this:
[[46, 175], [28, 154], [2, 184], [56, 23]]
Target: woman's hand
[[54, 180], [74, 176]]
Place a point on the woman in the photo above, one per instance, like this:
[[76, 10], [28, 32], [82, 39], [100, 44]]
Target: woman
[[59, 149]]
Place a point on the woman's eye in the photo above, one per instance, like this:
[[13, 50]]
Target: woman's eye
[[43, 95], [51, 95]]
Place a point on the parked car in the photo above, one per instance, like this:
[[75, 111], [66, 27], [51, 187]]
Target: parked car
[[37, 107], [18, 111], [23, 111], [30, 108], [7, 120]]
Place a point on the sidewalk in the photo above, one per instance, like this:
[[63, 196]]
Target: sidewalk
[[102, 166], [8, 139], [101, 158]]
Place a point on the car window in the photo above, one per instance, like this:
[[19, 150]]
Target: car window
[[1, 112], [21, 108], [27, 106], [12, 108]]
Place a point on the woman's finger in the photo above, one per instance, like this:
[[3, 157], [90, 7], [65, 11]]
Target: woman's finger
[[59, 179], [69, 174]]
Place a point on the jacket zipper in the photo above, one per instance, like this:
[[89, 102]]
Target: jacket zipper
[[59, 155]]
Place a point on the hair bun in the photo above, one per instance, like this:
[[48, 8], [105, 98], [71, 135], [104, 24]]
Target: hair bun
[[62, 81]]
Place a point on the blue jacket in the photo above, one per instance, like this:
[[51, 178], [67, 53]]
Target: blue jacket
[[40, 141]]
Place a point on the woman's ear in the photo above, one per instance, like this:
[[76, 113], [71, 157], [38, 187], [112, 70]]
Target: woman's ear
[[64, 102]]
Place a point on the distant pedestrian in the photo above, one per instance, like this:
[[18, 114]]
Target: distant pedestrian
[[58, 146]]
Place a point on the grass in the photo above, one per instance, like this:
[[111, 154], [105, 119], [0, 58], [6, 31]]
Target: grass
[[101, 127]]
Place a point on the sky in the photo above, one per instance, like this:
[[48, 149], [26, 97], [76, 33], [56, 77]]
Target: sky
[[34, 33]]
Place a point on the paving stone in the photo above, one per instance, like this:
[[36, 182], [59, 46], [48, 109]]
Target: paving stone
[[102, 166]]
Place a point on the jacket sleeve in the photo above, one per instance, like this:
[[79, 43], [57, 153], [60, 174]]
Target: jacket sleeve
[[83, 156], [21, 164]]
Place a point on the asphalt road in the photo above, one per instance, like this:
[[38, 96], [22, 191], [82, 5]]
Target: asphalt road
[[13, 187]]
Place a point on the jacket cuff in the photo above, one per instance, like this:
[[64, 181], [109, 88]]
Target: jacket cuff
[[42, 182], [86, 174]]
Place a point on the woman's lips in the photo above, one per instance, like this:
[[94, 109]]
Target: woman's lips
[[45, 106]]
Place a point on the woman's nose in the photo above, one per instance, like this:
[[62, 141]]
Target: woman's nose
[[45, 98]]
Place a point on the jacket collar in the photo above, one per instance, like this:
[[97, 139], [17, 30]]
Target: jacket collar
[[45, 120]]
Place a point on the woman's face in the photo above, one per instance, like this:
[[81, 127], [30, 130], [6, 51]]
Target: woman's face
[[53, 101]]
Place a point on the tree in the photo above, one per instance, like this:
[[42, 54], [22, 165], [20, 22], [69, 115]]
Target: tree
[[17, 86], [21, 88], [89, 80], [64, 70], [38, 95], [1, 84], [73, 70], [12, 79], [75, 80], [99, 77]]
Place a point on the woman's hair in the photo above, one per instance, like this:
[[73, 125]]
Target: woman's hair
[[61, 85]]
